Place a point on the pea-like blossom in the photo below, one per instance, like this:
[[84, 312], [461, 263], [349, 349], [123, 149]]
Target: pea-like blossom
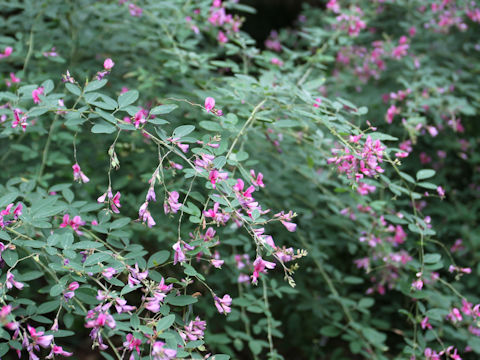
[[97, 319], [223, 304], [11, 282], [172, 205], [13, 80], [78, 174], [135, 277], [58, 350], [194, 330], [159, 352], [7, 52], [132, 344], [36, 94], [109, 272], [135, 10], [179, 255], [216, 175], [108, 64], [209, 104], [74, 223], [38, 339], [115, 203], [145, 215], [19, 120], [260, 266], [71, 290], [425, 324]]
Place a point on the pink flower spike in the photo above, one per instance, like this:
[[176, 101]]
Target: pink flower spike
[[209, 103], [108, 64]]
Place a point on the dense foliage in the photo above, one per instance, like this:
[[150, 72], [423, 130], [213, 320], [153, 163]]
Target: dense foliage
[[171, 189]]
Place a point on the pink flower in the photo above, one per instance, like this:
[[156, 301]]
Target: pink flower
[[194, 330], [333, 6], [364, 189], [38, 338], [132, 343], [19, 121], [455, 315], [425, 324], [222, 38], [140, 118], [6, 53], [217, 263], [58, 350], [260, 266], [179, 254], [418, 284], [223, 304], [78, 175], [441, 191], [160, 353], [36, 93], [10, 282], [5, 311], [259, 179], [215, 175], [391, 112], [135, 10], [13, 80], [209, 103], [290, 226], [109, 272], [276, 61], [116, 203], [145, 215], [172, 205], [108, 64]]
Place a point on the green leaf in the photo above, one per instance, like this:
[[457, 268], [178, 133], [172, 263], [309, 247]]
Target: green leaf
[[103, 127], [255, 346], [97, 258], [181, 300], [425, 174], [211, 126], [95, 85], [106, 115], [432, 258], [74, 89], [134, 321], [127, 98], [163, 109], [56, 290], [10, 257], [158, 258], [382, 137], [117, 224], [165, 322], [47, 307], [407, 177], [183, 130]]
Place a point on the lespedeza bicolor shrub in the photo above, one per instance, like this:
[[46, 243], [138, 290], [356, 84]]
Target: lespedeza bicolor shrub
[[170, 189]]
